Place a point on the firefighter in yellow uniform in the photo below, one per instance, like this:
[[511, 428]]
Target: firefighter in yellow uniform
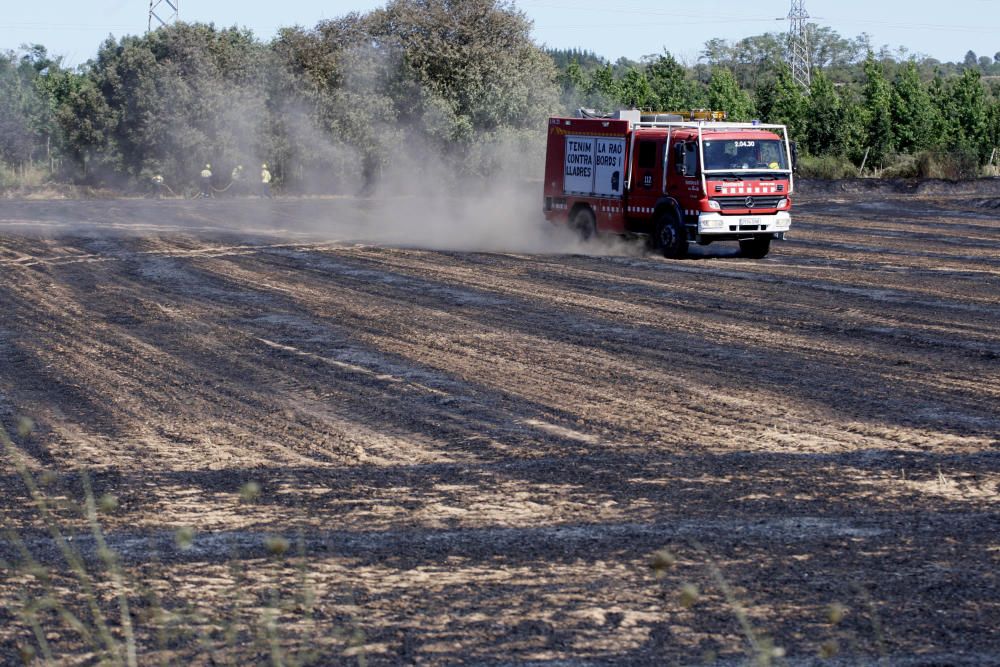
[[206, 181], [265, 181]]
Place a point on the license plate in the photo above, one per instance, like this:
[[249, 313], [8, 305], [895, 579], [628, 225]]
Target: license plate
[[749, 221]]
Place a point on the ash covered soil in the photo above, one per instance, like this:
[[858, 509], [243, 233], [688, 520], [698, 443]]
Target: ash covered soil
[[475, 455]]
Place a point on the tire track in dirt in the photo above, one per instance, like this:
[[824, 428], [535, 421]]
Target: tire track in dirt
[[604, 337]]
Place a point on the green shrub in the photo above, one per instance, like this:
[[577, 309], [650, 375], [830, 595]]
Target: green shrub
[[900, 166], [829, 167], [15, 178], [951, 165]]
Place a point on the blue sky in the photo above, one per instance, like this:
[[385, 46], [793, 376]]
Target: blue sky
[[611, 28]]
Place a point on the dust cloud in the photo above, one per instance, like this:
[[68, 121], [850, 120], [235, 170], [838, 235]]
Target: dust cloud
[[420, 201], [485, 196], [409, 187]]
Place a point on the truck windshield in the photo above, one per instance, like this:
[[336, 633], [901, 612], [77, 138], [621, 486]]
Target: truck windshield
[[738, 154]]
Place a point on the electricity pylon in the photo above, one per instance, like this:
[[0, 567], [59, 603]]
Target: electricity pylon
[[798, 43], [167, 7]]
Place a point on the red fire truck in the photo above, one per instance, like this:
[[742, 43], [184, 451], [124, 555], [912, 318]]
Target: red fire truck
[[675, 179]]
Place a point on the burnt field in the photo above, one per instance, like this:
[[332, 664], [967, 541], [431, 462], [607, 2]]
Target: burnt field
[[315, 442]]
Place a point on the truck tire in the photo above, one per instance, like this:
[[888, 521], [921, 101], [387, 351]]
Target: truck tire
[[755, 248], [584, 223], [670, 237]]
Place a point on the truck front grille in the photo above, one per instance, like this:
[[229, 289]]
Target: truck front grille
[[741, 202]]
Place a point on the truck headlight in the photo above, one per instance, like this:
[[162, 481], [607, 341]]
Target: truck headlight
[[714, 205], [782, 204]]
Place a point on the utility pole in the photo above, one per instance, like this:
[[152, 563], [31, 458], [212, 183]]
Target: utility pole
[[798, 43], [166, 7]]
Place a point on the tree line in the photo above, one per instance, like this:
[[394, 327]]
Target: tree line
[[893, 111], [460, 84], [327, 108]]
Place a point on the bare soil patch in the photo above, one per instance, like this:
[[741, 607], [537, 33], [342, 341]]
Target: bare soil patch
[[473, 456]]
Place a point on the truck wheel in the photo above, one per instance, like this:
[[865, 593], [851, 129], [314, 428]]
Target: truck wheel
[[584, 223], [670, 237], [755, 248]]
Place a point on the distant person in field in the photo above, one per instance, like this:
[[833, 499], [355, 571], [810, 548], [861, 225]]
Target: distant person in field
[[265, 181], [158, 186], [206, 181], [237, 180]]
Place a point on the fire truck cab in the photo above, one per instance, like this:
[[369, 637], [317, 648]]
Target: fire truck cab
[[672, 179]]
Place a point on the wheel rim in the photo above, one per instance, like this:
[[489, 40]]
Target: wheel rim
[[585, 224], [668, 236]]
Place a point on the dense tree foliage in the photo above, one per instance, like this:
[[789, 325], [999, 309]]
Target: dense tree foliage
[[863, 101], [672, 87], [27, 117], [175, 99], [725, 94], [459, 85], [456, 82], [914, 116], [826, 129], [781, 100], [877, 111]]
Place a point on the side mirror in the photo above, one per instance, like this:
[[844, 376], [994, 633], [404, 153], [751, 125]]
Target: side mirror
[[795, 156], [690, 159], [679, 159]]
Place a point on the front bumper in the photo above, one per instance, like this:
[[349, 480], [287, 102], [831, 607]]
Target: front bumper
[[716, 225]]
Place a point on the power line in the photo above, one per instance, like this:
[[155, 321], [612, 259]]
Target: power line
[[913, 26], [648, 24], [641, 9], [63, 26]]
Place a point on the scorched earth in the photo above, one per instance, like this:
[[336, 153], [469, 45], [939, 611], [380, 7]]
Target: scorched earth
[[315, 441]]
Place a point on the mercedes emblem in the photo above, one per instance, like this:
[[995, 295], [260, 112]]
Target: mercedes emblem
[[749, 202]]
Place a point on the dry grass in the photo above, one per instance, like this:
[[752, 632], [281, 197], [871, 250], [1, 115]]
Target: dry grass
[[101, 611], [761, 650]]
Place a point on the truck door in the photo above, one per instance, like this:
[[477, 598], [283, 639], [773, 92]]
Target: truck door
[[684, 176], [647, 177]]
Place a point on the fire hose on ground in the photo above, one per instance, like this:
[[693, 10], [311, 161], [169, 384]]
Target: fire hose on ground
[[197, 194]]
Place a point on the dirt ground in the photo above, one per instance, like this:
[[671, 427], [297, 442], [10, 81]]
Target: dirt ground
[[475, 457]]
